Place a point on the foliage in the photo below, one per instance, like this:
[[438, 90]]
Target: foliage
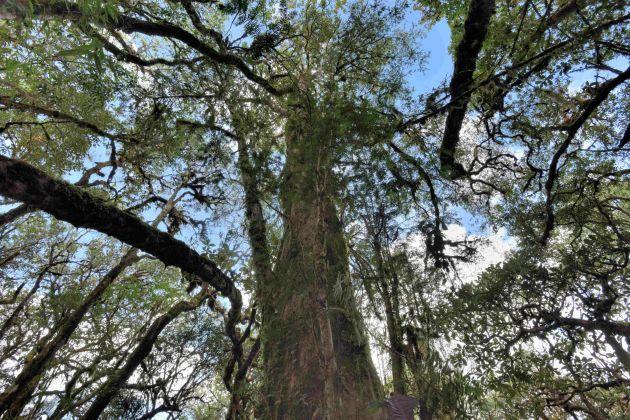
[[219, 120]]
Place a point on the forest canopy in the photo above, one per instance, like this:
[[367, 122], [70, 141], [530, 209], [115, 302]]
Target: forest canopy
[[270, 209]]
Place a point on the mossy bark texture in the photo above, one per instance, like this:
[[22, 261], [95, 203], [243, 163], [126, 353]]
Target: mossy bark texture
[[315, 353]]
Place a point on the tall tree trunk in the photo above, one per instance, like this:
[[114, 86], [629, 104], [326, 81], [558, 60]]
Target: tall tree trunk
[[395, 349], [415, 357], [387, 287], [397, 343], [261, 259], [316, 357], [394, 330]]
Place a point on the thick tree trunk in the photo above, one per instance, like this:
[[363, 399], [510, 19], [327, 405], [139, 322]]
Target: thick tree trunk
[[317, 359]]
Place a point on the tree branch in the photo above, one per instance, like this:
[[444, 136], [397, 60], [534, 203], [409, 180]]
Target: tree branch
[[475, 30], [129, 24], [23, 182], [572, 129]]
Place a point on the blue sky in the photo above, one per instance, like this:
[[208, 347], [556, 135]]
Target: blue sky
[[439, 64]]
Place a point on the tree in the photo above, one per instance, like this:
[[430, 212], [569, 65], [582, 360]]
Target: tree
[[259, 133]]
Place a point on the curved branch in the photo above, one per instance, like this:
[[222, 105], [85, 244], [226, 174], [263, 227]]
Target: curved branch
[[23, 182], [572, 129], [129, 24], [23, 209]]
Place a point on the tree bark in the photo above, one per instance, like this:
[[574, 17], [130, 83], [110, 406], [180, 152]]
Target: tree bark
[[316, 356], [475, 31], [261, 258], [21, 210]]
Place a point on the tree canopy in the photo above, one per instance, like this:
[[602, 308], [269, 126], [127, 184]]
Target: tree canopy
[[261, 209]]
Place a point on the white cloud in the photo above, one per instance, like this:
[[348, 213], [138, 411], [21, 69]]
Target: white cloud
[[492, 250]]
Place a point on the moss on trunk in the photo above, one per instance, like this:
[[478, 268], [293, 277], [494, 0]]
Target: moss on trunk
[[316, 356]]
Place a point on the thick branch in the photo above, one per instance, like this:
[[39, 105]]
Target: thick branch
[[475, 30], [618, 328], [23, 209], [620, 352], [23, 182]]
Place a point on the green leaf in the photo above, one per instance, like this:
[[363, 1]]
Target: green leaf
[[77, 51]]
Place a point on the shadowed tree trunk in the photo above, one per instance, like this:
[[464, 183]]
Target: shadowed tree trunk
[[386, 283], [261, 257], [392, 317], [316, 357]]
